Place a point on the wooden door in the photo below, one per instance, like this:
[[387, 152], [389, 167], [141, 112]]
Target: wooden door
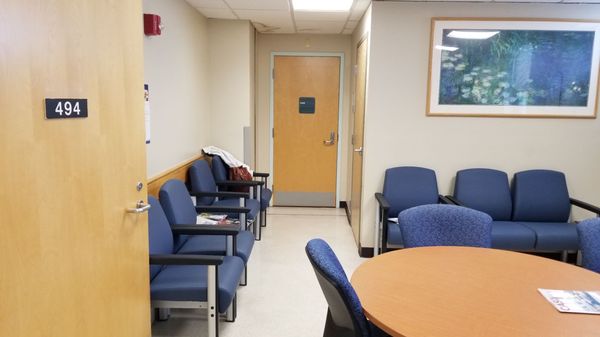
[[357, 137], [74, 263], [305, 140]]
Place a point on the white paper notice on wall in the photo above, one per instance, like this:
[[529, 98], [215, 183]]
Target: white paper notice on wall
[[147, 112]]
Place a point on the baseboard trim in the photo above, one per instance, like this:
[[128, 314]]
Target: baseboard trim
[[365, 251], [344, 205], [178, 171]]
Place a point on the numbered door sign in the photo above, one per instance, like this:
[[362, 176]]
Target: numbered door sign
[[66, 108]]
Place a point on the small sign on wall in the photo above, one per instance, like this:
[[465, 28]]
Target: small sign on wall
[[57, 108], [307, 105]]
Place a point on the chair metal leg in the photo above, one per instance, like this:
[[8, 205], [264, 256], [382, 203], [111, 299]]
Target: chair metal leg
[[564, 255], [163, 314], [579, 257], [212, 316], [231, 312], [244, 279]]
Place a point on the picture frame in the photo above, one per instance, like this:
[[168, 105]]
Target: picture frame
[[499, 67]]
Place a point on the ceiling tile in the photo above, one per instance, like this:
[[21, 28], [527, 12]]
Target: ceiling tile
[[207, 3], [348, 31], [268, 21], [217, 13], [320, 27], [351, 24], [321, 16], [262, 15], [360, 6], [259, 4], [582, 1], [274, 30]]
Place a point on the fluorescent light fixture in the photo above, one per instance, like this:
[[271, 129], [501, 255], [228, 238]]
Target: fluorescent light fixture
[[322, 5], [472, 34], [446, 48]]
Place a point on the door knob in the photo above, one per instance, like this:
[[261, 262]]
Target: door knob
[[140, 207], [331, 139]]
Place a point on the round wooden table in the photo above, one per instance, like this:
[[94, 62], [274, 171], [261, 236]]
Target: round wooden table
[[464, 292]]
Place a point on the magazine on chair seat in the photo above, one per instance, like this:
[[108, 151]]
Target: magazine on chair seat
[[573, 301]]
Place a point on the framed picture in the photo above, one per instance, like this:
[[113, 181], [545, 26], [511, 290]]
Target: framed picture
[[513, 68]]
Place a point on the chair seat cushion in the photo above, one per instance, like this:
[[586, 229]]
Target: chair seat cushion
[[554, 236], [189, 283], [394, 234], [265, 198], [217, 244], [250, 203], [512, 236]]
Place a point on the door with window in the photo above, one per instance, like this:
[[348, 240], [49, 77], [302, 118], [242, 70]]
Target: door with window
[[306, 104], [74, 261]]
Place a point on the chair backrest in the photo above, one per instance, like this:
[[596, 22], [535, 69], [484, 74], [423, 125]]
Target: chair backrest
[[540, 195], [485, 190], [408, 186], [177, 203], [589, 241], [202, 180], [345, 309], [159, 233], [219, 169], [445, 225]]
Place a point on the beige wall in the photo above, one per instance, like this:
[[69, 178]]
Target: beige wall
[[268, 43], [231, 68], [399, 133], [176, 69]]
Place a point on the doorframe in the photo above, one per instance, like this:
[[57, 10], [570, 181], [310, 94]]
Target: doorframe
[[340, 102]]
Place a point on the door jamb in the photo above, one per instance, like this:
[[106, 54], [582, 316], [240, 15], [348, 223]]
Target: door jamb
[[340, 102]]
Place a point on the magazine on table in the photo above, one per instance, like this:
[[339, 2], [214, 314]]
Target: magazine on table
[[573, 301], [215, 219]]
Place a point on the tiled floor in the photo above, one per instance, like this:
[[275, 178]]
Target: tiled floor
[[283, 297]]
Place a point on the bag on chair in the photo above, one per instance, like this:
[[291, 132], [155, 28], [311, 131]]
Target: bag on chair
[[240, 173]]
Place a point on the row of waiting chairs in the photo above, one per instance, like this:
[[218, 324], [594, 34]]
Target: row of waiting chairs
[[531, 216], [201, 266]]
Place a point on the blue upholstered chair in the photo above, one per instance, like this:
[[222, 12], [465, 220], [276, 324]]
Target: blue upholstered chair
[[204, 188], [445, 225], [541, 202], [345, 317], [180, 210], [589, 243], [190, 281], [403, 188], [220, 172], [488, 191]]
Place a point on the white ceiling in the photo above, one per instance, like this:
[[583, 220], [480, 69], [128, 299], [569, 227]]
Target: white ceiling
[[278, 16]]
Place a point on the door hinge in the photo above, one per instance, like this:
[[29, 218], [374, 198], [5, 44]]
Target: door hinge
[[273, 133], [355, 69], [273, 73]]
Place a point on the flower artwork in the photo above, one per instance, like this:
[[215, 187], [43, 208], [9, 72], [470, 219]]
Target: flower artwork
[[513, 68]]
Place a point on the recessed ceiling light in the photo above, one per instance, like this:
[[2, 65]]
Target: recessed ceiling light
[[446, 48], [322, 5], [472, 34]]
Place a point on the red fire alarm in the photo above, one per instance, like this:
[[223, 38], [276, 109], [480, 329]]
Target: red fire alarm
[[152, 24]]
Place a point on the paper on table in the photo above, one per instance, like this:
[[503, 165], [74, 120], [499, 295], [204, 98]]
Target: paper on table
[[573, 301]]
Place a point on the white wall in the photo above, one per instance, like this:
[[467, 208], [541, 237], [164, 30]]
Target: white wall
[[176, 69], [268, 43], [397, 132], [231, 68]]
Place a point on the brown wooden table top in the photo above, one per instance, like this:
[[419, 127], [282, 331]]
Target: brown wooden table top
[[464, 292]]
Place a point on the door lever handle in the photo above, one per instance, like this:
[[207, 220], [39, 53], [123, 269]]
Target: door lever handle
[[331, 139], [140, 207], [359, 150]]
